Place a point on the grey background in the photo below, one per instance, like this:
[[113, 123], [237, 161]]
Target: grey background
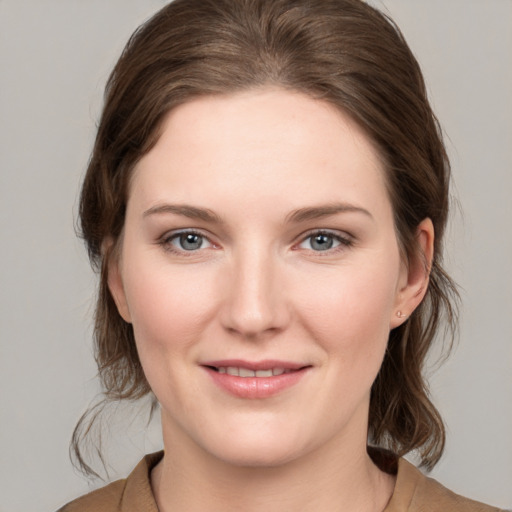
[[55, 56]]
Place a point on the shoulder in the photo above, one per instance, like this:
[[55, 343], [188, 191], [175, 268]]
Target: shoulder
[[415, 492], [107, 499], [132, 494]]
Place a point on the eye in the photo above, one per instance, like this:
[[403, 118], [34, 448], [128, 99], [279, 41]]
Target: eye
[[188, 241], [322, 241]]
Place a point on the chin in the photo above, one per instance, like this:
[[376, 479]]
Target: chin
[[256, 447]]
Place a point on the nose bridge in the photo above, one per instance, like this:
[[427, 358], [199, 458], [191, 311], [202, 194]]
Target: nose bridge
[[255, 300]]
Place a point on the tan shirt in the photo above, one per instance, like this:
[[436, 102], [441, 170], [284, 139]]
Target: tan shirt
[[414, 492]]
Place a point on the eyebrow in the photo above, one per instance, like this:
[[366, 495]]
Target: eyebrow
[[192, 212], [300, 215], [317, 212]]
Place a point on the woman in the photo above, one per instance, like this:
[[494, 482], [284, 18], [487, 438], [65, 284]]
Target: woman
[[266, 201]]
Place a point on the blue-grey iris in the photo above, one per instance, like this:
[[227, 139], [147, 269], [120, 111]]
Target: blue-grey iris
[[191, 241], [322, 242]]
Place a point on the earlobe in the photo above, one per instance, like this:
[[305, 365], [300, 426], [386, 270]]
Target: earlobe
[[115, 284], [416, 279]]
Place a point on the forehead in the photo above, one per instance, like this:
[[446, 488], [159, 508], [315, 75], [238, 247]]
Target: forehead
[[262, 143]]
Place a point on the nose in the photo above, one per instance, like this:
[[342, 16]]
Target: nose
[[255, 304]]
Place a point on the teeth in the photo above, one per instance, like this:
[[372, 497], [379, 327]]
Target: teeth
[[264, 373], [245, 372]]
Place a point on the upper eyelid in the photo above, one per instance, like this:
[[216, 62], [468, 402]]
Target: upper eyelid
[[173, 233], [344, 235]]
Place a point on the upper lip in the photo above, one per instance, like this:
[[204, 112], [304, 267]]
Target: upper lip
[[255, 365]]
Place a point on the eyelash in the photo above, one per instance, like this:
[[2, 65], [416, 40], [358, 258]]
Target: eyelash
[[167, 239], [345, 242]]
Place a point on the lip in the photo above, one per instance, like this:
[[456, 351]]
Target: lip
[[255, 387]]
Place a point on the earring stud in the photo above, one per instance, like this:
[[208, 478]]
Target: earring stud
[[399, 314]]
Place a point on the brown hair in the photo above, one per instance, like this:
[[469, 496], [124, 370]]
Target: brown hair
[[342, 51]]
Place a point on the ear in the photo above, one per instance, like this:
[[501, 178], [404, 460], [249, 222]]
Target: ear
[[415, 275], [115, 279]]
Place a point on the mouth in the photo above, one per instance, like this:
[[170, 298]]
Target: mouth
[[252, 380], [240, 371]]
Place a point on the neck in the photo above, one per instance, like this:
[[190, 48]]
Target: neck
[[326, 479]]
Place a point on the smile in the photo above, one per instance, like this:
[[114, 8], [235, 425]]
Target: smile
[[260, 380], [247, 372]]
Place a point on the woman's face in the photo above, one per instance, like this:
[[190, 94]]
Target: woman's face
[[260, 269]]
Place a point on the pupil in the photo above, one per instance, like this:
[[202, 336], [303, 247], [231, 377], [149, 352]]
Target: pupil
[[191, 241], [322, 242]]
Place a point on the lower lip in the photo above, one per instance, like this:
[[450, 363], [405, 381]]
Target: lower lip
[[256, 387]]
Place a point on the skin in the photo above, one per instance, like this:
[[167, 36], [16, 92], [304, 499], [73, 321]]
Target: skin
[[257, 287]]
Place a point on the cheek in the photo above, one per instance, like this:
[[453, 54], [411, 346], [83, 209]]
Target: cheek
[[170, 309], [349, 311], [169, 306]]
